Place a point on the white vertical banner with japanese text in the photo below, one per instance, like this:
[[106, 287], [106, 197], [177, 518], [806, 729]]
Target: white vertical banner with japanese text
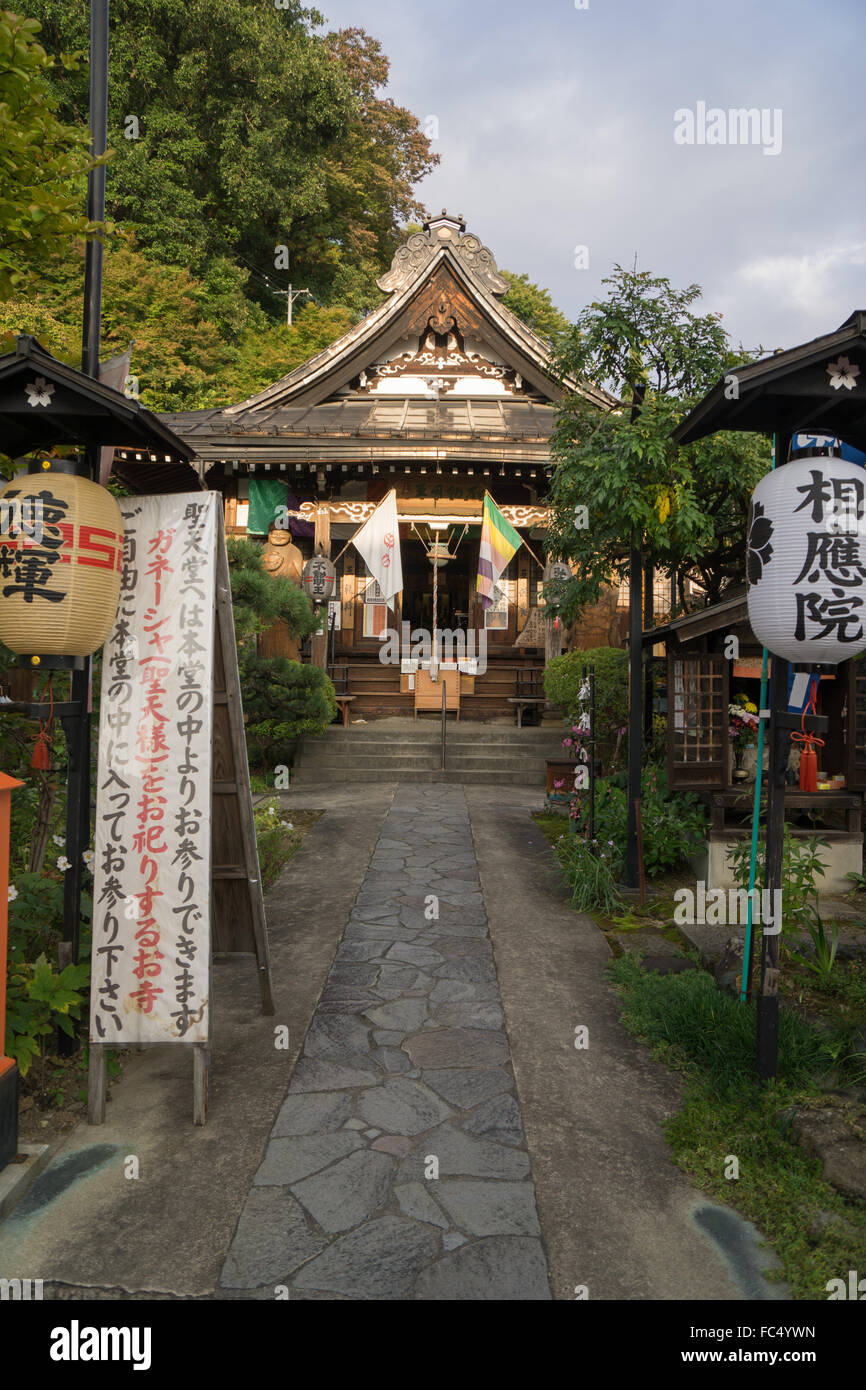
[[150, 968]]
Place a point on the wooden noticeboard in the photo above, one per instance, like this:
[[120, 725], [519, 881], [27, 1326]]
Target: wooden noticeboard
[[229, 915]]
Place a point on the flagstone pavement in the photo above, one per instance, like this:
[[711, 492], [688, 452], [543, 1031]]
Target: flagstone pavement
[[397, 1167]]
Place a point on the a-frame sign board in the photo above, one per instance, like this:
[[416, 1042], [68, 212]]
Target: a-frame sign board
[[174, 817]]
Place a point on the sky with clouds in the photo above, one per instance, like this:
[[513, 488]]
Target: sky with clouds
[[556, 130]]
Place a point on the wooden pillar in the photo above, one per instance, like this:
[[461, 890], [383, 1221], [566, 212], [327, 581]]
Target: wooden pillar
[[321, 537]]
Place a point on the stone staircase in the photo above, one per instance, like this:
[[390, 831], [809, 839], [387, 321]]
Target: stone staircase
[[400, 750]]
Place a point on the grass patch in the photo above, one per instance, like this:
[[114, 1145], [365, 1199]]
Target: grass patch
[[710, 1039], [279, 834]]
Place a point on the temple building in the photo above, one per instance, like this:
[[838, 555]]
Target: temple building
[[442, 394]]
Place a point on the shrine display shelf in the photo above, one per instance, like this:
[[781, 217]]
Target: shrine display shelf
[[850, 803]]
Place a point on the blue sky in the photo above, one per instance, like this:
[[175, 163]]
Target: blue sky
[[556, 130]]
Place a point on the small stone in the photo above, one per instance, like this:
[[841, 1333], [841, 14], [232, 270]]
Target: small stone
[[354, 1124], [393, 1059], [452, 1240], [372, 1133], [397, 1144], [414, 955]]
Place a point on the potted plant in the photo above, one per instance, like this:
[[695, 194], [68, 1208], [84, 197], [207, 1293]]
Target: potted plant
[[742, 731]]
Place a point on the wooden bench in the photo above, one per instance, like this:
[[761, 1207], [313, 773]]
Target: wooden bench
[[522, 702], [344, 701]]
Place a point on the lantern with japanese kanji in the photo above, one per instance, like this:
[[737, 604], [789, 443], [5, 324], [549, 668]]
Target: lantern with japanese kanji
[[318, 579], [61, 552], [807, 561]]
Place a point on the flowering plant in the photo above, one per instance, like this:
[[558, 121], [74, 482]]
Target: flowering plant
[[743, 722]]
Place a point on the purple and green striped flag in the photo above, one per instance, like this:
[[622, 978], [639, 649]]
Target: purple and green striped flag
[[499, 541]]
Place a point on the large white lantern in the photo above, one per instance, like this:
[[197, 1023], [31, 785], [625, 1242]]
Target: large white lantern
[[807, 561]]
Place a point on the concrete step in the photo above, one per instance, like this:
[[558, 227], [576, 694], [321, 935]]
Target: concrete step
[[332, 776], [492, 757]]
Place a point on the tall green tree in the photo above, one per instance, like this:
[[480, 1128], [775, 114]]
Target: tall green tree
[[534, 306], [196, 342], [43, 158], [618, 476], [238, 129]]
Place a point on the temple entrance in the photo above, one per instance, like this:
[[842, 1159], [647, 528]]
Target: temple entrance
[[455, 586]]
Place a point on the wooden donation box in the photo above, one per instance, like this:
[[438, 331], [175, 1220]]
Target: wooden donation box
[[428, 693]]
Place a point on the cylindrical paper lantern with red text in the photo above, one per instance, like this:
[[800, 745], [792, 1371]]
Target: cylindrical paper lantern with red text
[[61, 552]]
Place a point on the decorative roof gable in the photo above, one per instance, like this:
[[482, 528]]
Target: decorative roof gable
[[443, 320]]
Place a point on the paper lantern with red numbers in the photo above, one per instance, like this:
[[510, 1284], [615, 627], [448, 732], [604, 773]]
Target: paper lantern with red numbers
[[61, 552]]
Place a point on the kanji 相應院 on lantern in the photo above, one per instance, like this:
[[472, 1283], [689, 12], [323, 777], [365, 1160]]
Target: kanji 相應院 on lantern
[[807, 561], [61, 552]]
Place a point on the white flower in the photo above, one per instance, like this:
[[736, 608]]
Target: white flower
[[88, 856], [59, 840], [13, 893], [842, 373], [63, 863], [272, 810], [287, 824], [39, 392]]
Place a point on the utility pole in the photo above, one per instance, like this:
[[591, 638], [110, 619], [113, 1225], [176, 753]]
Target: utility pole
[[291, 295]]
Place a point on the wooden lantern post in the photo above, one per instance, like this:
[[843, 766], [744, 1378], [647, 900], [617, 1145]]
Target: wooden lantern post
[[8, 1068]]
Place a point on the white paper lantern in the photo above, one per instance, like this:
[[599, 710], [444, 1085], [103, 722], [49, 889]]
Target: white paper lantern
[[807, 561]]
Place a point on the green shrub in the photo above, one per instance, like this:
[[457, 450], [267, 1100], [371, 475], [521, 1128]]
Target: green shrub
[[674, 824], [39, 1000], [589, 871], [562, 682], [276, 839], [283, 700]]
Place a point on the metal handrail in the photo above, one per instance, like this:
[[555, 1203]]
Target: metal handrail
[[444, 724]]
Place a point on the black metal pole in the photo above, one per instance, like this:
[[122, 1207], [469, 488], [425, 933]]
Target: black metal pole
[[635, 687], [648, 620], [77, 726], [635, 716]]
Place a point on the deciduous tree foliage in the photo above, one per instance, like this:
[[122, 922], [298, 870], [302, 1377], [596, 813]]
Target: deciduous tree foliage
[[196, 342], [686, 508], [43, 159], [251, 131], [534, 306]]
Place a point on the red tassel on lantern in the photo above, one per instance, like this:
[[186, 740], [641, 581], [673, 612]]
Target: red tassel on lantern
[[41, 760], [808, 770]]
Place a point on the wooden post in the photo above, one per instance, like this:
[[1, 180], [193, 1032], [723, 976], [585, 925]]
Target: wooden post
[[322, 537], [96, 1082], [200, 1062]]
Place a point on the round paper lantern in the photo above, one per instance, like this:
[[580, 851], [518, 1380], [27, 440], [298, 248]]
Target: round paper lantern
[[807, 561], [318, 579], [61, 552]]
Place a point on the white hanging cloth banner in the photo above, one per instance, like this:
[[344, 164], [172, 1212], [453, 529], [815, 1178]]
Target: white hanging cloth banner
[[378, 543]]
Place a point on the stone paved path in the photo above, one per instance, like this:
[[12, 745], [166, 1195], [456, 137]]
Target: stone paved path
[[397, 1167]]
